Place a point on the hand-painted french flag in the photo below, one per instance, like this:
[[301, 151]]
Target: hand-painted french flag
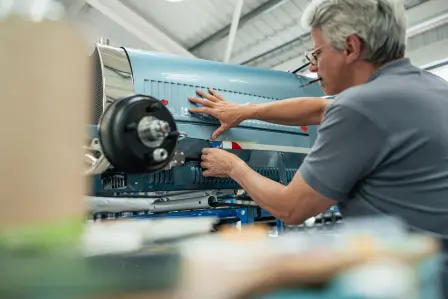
[[226, 145]]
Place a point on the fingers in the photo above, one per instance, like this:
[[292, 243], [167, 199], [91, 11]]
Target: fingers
[[207, 96], [216, 94], [205, 110], [218, 132], [205, 171], [204, 102], [208, 151]]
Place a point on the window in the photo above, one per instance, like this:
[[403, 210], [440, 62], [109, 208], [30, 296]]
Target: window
[[441, 71]]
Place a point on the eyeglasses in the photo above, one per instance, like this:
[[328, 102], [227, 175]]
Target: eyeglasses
[[312, 55]]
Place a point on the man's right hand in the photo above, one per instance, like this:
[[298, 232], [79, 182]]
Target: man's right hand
[[229, 114]]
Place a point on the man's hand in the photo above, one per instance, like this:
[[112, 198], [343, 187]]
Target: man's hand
[[229, 114], [218, 162]]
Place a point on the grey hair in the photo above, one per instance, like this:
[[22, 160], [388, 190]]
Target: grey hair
[[380, 24]]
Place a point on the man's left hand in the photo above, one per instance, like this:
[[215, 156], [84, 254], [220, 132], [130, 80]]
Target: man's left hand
[[218, 162]]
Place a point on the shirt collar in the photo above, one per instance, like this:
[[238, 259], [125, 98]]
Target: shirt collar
[[391, 67]]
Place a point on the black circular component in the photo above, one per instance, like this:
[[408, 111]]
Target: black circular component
[[121, 141]]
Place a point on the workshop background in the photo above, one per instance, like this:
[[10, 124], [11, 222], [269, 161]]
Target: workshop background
[[64, 236], [260, 33]]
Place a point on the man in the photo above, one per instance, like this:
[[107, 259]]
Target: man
[[382, 145]]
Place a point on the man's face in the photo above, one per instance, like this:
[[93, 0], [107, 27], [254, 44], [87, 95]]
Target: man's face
[[330, 64]]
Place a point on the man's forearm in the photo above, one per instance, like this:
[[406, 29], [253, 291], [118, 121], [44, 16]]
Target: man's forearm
[[267, 193], [293, 112]]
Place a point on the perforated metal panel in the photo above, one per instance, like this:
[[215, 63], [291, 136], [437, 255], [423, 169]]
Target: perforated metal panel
[[177, 94], [97, 91], [112, 78], [179, 178], [162, 177]]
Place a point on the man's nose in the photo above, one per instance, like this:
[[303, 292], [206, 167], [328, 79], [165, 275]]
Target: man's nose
[[313, 68]]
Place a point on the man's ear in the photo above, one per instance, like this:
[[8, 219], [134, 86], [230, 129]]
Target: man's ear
[[354, 48]]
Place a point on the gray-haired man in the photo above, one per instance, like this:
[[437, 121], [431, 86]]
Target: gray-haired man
[[382, 146]]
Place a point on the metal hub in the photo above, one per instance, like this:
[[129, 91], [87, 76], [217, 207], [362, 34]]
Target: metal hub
[[138, 134], [152, 131]]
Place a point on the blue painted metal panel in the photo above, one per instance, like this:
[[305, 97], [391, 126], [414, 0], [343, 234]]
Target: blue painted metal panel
[[187, 177], [250, 81], [176, 78], [270, 137], [246, 215], [220, 213]]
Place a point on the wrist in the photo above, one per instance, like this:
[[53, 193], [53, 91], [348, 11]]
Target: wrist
[[248, 111], [236, 168]]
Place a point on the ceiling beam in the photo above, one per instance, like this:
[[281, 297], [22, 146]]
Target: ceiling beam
[[305, 36], [224, 32], [138, 26], [73, 8], [411, 3]]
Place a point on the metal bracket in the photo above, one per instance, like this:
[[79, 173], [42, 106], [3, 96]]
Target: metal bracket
[[95, 159], [177, 160]]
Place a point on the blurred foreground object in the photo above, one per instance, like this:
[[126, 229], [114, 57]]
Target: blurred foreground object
[[32, 10], [44, 84], [361, 261]]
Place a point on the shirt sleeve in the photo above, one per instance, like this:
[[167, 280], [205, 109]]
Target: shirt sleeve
[[348, 147]]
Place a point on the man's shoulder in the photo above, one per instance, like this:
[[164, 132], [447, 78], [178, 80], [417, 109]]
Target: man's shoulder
[[355, 99], [371, 93], [385, 92]]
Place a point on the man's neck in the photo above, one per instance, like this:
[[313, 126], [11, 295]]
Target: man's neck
[[362, 72]]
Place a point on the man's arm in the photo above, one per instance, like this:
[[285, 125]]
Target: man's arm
[[292, 204], [294, 112], [349, 147]]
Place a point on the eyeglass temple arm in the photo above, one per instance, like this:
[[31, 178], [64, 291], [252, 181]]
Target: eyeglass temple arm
[[301, 67]]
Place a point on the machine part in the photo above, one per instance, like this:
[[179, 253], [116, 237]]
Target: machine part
[[160, 154], [177, 160], [232, 201], [184, 204], [116, 204], [158, 202], [95, 161], [120, 72], [189, 176], [127, 145], [329, 221], [112, 77], [103, 41], [152, 131]]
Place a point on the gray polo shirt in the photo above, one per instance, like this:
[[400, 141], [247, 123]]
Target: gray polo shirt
[[382, 148]]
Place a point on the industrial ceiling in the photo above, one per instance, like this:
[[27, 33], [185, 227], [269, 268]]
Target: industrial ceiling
[[265, 33]]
